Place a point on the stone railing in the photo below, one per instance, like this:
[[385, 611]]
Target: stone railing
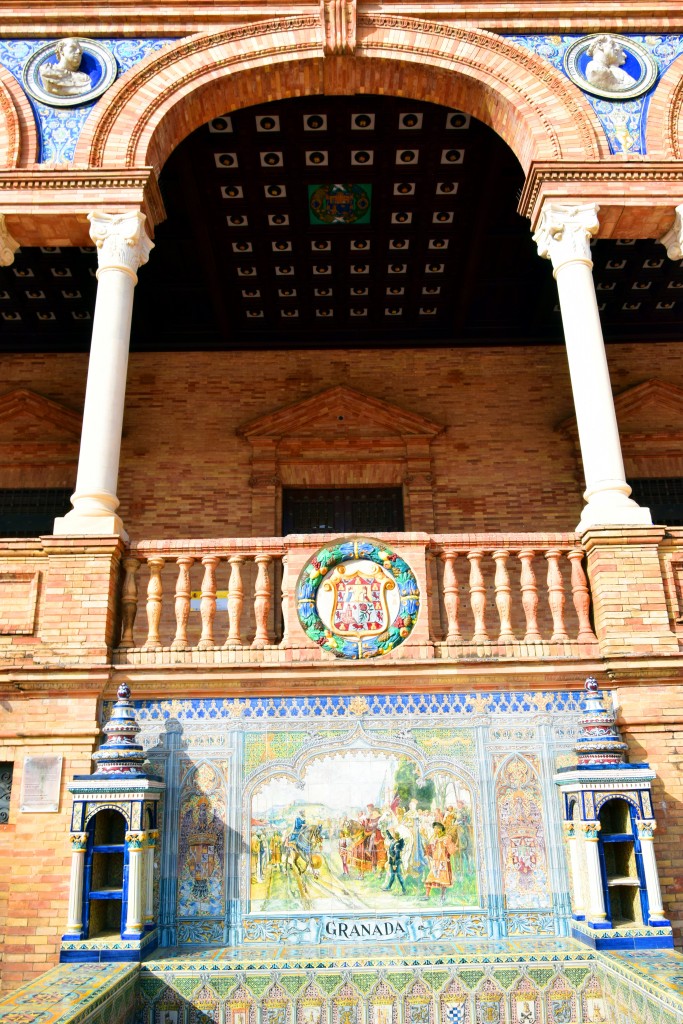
[[483, 595]]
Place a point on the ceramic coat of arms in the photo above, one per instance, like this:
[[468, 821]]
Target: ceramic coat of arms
[[357, 599]]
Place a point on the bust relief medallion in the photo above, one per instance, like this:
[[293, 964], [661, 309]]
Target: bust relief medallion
[[69, 71]]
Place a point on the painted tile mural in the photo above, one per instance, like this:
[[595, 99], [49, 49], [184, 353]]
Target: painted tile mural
[[362, 831], [201, 846], [386, 818], [522, 835]]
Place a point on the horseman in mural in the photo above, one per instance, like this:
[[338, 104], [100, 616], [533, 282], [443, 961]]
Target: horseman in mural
[[299, 850]]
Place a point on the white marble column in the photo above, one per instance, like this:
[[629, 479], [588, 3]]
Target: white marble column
[[595, 910], [563, 236], [74, 924], [575, 860], [654, 892], [135, 845], [8, 245], [122, 247]]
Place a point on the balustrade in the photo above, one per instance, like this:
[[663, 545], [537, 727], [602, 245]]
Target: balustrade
[[529, 621], [496, 596]]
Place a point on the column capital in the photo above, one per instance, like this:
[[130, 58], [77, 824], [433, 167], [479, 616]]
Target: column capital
[[121, 240], [79, 841], [564, 232], [646, 829], [672, 240], [8, 245]]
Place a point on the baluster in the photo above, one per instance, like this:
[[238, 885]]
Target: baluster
[[556, 596], [155, 593], [129, 601], [451, 599], [207, 605], [262, 592], [529, 596], [235, 601], [503, 595], [581, 597], [182, 602], [285, 606], [478, 597]]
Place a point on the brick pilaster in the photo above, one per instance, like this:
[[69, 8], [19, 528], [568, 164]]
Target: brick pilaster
[[629, 602]]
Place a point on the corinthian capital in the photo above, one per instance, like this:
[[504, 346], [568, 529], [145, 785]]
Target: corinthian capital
[[673, 239], [8, 246], [121, 240], [564, 232]]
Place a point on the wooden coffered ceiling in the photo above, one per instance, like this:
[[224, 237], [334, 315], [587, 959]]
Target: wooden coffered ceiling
[[261, 248]]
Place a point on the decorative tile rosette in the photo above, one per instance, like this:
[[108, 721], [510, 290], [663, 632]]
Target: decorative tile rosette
[[357, 599]]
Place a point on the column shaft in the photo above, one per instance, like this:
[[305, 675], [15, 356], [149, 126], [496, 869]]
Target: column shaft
[[135, 842], [595, 911], [563, 236], [74, 924], [122, 248], [654, 892]]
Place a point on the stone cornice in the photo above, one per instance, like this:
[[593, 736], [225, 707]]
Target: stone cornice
[[68, 192], [183, 17], [655, 185]]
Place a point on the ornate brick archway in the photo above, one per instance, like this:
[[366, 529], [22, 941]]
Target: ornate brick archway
[[527, 102], [18, 136]]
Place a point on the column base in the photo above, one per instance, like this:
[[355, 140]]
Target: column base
[[73, 525], [626, 514]]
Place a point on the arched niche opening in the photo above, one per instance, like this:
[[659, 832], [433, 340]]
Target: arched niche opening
[[621, 864], [105, 876]]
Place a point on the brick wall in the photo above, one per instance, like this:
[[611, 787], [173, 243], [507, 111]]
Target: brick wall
[[34, 855], [498, 465]]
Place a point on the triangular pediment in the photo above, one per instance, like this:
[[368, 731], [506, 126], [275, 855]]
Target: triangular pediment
[[653, 408], [27, 417], [341, 412]]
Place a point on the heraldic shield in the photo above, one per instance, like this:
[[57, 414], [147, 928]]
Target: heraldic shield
[[357, 598]]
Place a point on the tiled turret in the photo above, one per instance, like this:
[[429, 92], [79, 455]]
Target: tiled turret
[[121, 754]]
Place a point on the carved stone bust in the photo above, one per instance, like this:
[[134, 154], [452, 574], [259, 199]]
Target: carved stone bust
[[604, 68], [63, 78]]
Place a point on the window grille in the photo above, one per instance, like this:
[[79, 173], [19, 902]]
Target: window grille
[[663, 496], [342, 510], [6, 770], [31, 511]]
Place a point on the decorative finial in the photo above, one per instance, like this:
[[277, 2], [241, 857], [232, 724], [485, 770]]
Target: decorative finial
[[121, 754], [599, 742]]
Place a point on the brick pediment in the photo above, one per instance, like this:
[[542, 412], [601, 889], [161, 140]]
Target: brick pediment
[[29, 418], [341, 413]]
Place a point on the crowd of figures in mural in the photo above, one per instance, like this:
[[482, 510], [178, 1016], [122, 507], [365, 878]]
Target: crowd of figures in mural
[[364, 833]]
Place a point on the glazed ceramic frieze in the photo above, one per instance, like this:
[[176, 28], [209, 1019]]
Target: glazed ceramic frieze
[[357, 599]]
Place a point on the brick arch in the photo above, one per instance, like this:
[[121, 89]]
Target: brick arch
[[530, 104], [664, 135], [18, 135]]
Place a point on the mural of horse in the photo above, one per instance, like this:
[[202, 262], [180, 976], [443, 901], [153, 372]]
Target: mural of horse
[[300, 853]]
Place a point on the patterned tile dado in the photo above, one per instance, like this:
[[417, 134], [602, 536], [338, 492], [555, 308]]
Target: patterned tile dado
[[60, 127], [624, 121], [74, 994]]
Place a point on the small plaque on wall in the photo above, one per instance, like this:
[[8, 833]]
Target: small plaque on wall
[[41, 783]]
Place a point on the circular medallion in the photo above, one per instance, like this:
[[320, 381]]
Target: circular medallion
[[69, 71], [611, 66], [339, 204], [357, 599]]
